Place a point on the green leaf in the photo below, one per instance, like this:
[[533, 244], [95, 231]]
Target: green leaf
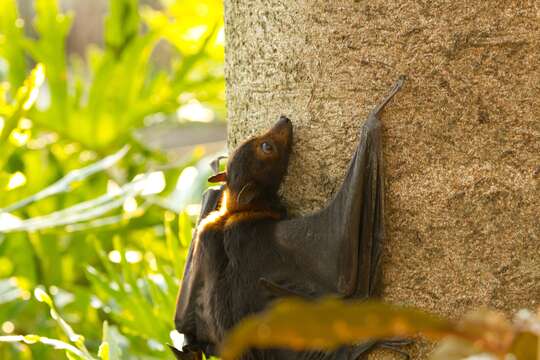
[[122, 24], [24, 100], [49, 49], [63, 185], [185, 229], [110, 346], [55, 343], [61, 345], [173, 244], [103, 351], [31, 339], [42, 296], [11, 37]]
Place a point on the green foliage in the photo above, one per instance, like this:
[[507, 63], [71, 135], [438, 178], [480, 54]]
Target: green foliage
[[13, 114], [87, 210], [330, 323], [11, 39], [100, 114], [74, 347]]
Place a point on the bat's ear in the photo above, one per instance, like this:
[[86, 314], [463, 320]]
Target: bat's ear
[[247, 194], [214, 164], [219, 177]]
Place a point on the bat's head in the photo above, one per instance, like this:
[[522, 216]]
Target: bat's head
[[257, 167]]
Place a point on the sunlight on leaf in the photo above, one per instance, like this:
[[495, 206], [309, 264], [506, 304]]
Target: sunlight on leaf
[[36, 79], [328, 324], [42, 296], [131, 256], [9, 290], [130, 205], [24, 99], [56, 344], [177, 339], [19, 137], [16, 180], [154, 182], [103, 351], [110, 347], [31, 339]]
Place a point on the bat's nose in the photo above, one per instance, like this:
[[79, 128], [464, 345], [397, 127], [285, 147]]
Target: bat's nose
[[283, 124], [283, 119]]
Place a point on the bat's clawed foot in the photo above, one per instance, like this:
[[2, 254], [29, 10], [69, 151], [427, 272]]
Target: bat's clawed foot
[[395, 345], [280, 290], [397, 86]]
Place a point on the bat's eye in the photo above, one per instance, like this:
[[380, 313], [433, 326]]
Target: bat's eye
[[267, 147]]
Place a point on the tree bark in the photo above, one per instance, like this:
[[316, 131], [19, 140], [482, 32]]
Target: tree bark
[[461, 141]]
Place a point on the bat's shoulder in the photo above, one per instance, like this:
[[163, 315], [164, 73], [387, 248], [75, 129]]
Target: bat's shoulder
[[252, 218], [218, 222], [214, 211]]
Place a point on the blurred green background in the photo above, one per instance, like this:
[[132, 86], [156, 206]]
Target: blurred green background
[[110, 112]]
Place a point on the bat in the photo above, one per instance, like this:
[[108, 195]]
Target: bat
[[246, 252]]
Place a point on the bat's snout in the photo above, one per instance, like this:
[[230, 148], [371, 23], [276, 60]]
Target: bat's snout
[[283, 124], [282, 129], [283, 120]]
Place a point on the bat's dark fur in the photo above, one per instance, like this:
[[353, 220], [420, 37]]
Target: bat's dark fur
[[246, 253]]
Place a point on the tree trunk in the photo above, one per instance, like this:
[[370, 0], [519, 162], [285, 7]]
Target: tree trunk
[[461, 140]]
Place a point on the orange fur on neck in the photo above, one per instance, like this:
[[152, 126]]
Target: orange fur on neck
[[228, 214]]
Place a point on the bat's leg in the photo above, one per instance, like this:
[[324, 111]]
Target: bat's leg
[[359, 351], [281, 291], [395, 345], [395, 348]]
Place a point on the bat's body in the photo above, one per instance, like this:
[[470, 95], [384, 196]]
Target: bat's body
[[246, 253]]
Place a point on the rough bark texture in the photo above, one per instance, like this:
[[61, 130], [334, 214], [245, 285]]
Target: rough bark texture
[[461, 141]]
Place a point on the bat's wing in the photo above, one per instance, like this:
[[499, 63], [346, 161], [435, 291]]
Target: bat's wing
[[339, 247], [185, 317]]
